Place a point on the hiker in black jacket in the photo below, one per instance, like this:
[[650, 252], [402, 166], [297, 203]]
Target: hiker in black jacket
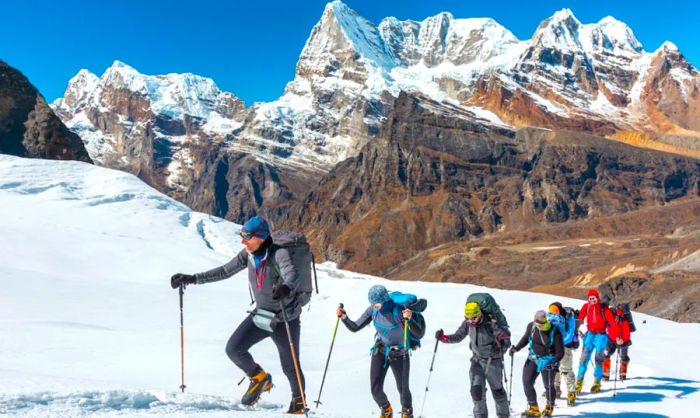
[[272, 278], [546, 349]]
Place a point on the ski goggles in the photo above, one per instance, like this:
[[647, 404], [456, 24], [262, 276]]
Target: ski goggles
[[246, 235]]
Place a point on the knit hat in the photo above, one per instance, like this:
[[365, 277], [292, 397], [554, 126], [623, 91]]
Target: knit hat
[[256, 226], [556, 308], [378, 294], [594, 293], [541, 317], [472, 310]]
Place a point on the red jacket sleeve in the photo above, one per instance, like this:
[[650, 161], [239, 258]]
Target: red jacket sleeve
[[582, 313], [625, 330]]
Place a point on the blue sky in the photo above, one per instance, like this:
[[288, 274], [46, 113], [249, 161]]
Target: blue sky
[[250, 48]]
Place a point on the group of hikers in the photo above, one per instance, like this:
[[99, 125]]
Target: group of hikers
[[278, 272]]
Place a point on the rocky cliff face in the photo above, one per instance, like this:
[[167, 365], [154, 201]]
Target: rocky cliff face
[[28, 126], [436, 174]]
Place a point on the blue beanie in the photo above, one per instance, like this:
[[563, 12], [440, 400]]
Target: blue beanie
[[378, 294], [257, 226]]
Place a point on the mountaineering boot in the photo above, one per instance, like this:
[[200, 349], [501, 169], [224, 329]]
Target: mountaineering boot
[[623, 370], [386, 412], [606, 369], [406, 413], [579, 386], [548, 411], [261, 382], [532, 411], [296, 406], [596, 386], [571, 399]]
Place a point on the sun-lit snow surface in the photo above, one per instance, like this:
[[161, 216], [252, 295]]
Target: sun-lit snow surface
[[90, 326]]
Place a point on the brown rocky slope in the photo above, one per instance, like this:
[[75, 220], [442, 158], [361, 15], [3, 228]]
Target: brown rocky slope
[[28, 126]]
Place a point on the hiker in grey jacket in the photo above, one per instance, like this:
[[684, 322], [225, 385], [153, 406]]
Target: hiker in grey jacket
[[272, 278], [488, 342], [388, 350]]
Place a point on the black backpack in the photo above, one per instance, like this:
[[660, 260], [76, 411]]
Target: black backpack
[[627, 313], [303, 260]]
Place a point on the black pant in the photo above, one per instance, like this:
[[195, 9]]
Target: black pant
[[530, 374], [247, 335], [624, 351], [400, 363]]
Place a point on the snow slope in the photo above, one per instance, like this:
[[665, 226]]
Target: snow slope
[[90, 326]]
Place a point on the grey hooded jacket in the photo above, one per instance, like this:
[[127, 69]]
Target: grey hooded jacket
[[277, 268], [486, 339]]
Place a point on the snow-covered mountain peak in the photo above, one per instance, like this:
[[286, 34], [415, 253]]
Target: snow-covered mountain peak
[[560, 31], [667, 46], [613, 35], [564, 15]]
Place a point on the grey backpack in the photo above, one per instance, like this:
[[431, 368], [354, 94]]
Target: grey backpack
[[302, 258]]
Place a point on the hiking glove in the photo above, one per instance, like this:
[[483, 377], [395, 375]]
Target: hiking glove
[[512, 350], [280, 291], [440, 335], [181, 279]]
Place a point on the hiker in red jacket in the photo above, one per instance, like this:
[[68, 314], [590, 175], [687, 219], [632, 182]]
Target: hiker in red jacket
[[596, 318], [619, 339]]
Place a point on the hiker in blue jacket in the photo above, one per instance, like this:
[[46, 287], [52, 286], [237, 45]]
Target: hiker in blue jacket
[[389, 350]]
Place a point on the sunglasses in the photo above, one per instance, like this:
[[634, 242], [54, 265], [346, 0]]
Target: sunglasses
[[472, 319], [539, 324], [593, 299], [246, 235]]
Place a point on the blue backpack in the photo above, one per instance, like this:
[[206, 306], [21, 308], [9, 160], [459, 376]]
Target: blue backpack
[[402, 301]]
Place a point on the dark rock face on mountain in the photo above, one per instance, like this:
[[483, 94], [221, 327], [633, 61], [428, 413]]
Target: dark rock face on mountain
[[28, 126], [236, 185], [436, 174], [673, 295]]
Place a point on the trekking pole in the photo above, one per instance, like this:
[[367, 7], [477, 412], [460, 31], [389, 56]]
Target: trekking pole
[[182, 342], [294, 359], [617, 370], [405, 359], [510, 388], [425, 395], [313, 264], [335, 331]]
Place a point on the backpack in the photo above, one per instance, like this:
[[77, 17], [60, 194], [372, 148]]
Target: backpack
[[627, 314], [543, 361], [417, 306], [571, 324], [490, 308], [303, 260]]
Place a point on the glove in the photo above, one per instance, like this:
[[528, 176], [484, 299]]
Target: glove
[[181, 279], [503, 339], [280, 291], [512, 351], [440, 335]]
